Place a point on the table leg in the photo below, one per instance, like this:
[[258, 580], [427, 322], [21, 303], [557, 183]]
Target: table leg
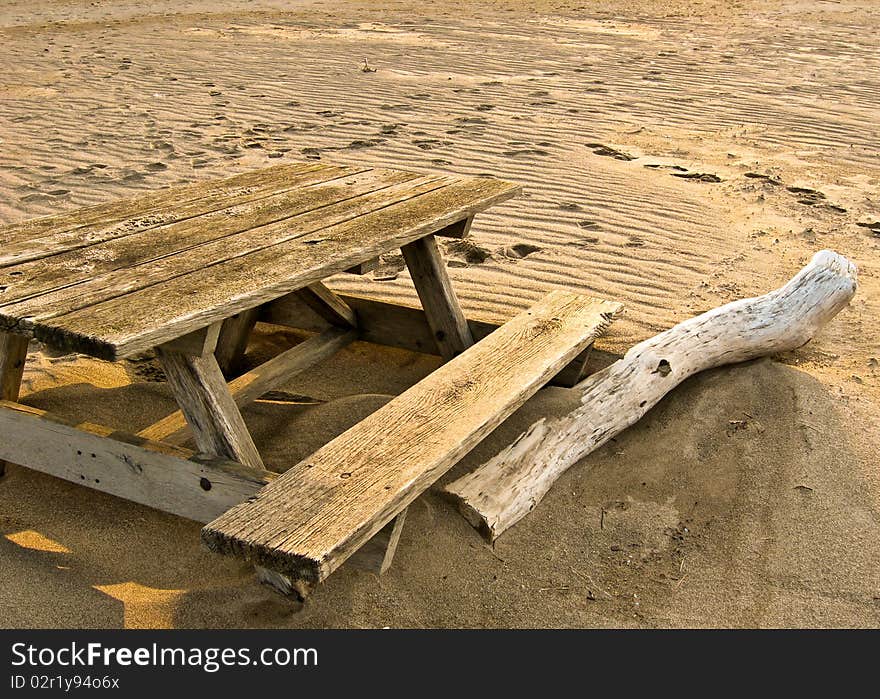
[[13, 353], [439, 301], [204, 398]]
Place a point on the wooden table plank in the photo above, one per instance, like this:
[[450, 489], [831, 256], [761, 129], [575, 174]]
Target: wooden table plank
[[150, 316], [190, 199], [100, 288], [310, 519], [130, 255]]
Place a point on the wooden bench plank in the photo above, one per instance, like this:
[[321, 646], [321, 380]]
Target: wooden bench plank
[[125, 325], [156, 207], [102, 270], [313, 517], [149, 473]]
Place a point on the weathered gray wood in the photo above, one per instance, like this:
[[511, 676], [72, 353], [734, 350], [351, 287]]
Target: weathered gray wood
[[313, 517], [233, 340], [88, 225], [13, 354], [149, 473], [248, 387], [377, 554], [442, 310], [507, 487], [128, 324], [201, 392], [73, 279], [398, 325], [328, 305]]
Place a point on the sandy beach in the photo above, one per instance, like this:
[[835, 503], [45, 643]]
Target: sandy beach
[[674, 156]]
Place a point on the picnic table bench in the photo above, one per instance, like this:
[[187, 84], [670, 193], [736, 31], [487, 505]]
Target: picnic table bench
[[188, 271]]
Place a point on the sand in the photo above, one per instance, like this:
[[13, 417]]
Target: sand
[[674, 156]]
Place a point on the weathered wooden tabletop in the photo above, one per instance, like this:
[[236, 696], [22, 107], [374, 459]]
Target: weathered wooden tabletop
[[119, 278]]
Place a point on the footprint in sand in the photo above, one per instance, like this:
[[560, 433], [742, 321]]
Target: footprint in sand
[[467, 251], [519, 250], [608, 151], [697, 176], [525, 151], [390, 265], [365, 143]]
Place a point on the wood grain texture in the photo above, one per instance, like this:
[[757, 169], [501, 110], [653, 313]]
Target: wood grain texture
[[151, 315], [87, 225], [79, 278], [312, 518], [507, 487], [201, 392], [13, 354], [442, 310], [398, 325], [232, 342], [149, 473], [245, 389]]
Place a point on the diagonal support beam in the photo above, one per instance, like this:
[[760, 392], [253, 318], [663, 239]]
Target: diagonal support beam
[[233, 339], [328, 305], [444, 314], [248, 387]]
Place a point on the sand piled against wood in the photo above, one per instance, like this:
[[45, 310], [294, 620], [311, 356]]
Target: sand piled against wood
[[674, 157]]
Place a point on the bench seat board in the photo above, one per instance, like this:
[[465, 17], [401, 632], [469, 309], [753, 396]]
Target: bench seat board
[[312, 518], [199, 280]]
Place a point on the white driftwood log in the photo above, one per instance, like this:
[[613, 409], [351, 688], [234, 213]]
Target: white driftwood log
[[507, 487]]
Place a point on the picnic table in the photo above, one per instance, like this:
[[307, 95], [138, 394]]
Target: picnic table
[[188, 271]]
